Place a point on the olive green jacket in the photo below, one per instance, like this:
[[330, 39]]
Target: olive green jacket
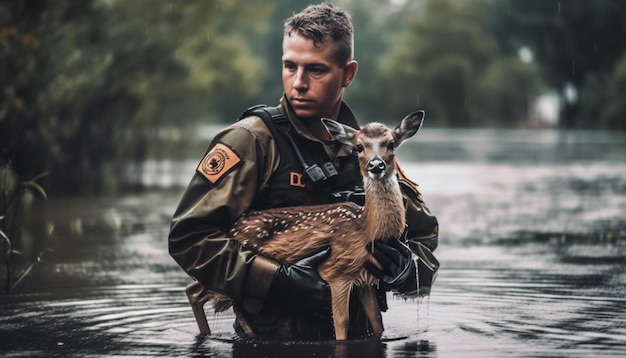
[[239, 164]]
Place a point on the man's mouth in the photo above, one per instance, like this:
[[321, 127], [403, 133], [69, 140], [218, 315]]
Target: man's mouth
[[300, 101]]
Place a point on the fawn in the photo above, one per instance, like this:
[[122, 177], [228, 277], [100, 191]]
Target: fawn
[[291, 233]]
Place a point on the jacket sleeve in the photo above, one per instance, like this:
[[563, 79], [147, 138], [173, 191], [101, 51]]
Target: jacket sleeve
[[198, 239], [422, 225]]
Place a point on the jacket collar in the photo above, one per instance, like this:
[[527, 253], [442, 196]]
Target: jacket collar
[[346, 116]]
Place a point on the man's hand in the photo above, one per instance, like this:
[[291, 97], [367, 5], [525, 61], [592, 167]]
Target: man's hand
[[299, 288], [398, 271]]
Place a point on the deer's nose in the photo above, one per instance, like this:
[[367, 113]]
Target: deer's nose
[[376, 166]]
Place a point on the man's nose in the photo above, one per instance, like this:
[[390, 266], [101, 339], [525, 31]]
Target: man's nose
[[300, 80]]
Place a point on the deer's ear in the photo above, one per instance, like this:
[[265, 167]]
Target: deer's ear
[[342, 133], [409, 126]]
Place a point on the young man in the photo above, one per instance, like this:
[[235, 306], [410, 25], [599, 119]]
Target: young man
[[252, 165]]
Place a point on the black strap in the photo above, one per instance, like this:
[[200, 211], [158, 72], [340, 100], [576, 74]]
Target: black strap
[[279, 124], [265, 112], [273, 117]]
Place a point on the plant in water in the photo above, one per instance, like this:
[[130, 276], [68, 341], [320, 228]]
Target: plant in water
[[13, 192]]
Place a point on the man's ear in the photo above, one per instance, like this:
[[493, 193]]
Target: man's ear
[[349, 72]]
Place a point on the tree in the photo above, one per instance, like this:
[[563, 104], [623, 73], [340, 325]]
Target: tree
[[86, 85], [266, 48], [437, 61], [508, 89], [375, 27], [572, 40], [603, 98], [446, 61]]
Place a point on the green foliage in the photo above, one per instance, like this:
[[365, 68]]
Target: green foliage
[[508, 90], [207, 38], [12, 197], [603, 99], [572, 40], [447, 62], [86, 85], [367, 94], [264, 47]]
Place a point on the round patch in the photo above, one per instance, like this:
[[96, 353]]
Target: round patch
[[215, 162], [218, 162]]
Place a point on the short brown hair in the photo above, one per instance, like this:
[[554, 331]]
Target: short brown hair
[[318, 21]]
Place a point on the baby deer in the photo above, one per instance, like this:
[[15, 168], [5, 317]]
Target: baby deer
[[292, 233]]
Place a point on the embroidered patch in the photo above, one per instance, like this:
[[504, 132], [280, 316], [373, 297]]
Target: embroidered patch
[[219, 161]]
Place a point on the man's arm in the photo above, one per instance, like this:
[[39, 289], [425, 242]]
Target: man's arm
[[213, 201], [235, 167]]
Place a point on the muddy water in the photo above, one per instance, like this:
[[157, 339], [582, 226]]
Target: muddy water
[[532, 248]]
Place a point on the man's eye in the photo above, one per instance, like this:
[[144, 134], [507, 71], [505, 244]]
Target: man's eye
[[316, 71]]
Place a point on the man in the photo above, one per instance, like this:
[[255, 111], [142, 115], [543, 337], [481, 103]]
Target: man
[[255, 164]]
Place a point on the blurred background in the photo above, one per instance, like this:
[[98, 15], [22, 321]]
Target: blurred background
[[91, 87], [107, 106]]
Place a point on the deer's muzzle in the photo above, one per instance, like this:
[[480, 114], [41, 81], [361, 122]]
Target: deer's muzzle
[[376, 166]]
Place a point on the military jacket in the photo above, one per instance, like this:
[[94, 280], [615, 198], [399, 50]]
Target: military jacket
[[240, 172]]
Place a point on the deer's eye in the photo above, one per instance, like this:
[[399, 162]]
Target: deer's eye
[[358, 148], [391, 145]]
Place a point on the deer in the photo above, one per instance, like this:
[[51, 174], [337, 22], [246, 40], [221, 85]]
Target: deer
[[288, 234]]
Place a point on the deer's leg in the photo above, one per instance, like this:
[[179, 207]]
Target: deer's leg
[[372, 311], [340, 295], [198, 296]]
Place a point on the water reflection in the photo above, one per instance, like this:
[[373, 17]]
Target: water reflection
[[533, 247]]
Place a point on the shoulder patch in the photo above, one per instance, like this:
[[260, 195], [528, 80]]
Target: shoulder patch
[[218, 162]]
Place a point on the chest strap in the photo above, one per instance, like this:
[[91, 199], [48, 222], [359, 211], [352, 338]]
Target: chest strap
[[279, 125]]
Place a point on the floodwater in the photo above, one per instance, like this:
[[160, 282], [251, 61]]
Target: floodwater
[[532, 251]]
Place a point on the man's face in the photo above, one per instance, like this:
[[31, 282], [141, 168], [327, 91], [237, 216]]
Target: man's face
[[312, 78]]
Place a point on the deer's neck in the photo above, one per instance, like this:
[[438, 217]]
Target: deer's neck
[[383, 213]]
